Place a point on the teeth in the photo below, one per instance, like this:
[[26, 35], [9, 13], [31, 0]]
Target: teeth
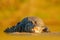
[[37, 31]]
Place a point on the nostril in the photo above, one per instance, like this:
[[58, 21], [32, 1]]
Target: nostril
[[45, 30]]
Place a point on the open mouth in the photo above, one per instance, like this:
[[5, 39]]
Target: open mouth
[[39, 29], [36, 29]]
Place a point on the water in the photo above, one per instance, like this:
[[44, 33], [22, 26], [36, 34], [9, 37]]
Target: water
[[53, 35]]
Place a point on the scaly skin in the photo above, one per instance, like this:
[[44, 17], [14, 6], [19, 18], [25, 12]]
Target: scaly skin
[[28, 24]]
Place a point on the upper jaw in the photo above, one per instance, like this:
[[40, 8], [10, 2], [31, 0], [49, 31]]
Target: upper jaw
[[40, 29]]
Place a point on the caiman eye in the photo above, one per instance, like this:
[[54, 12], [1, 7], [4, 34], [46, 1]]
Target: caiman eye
[[35, 22]]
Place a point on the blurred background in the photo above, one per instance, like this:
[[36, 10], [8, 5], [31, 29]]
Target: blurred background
[[13, 11]]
